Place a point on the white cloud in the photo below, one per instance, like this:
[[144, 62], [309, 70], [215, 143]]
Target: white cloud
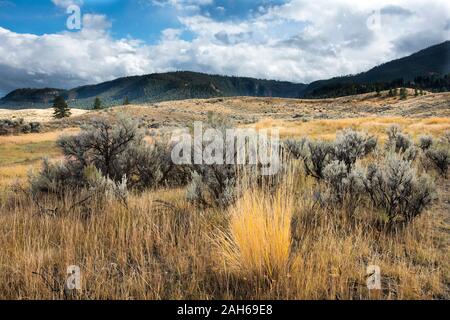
[[299, 41], [66, 3], [70, 58], [183, 5]]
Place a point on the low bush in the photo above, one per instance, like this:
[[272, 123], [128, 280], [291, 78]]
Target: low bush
[[13, 127], [56, 178], [395, 187], [295, 147], [351, 145], [348, 147], [410, 154], [103, 188], [213, 185], [345, 188], [439, 157], [116, 151], [318, 154], [397, 140], [425, 142]]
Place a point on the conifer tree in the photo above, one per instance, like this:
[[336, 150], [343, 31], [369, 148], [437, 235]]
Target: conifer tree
[[61, 109], [403, 94], [97, 104]]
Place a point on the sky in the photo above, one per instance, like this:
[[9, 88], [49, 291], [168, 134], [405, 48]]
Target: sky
[[42, 45]]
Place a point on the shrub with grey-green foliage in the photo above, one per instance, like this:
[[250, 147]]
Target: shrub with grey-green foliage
[[344, 186], [213, 185], [348, 147], [439, 157], [395, 187], [17, 126], [445, 139], [397, 140], [219, 185], [295, 147], [103, 188], [101, 144], [351, 145], [151, 165], [425, 142], [116, 150], [54, 178], [410, 154], [318, 154], [371, 144], [194, 191]]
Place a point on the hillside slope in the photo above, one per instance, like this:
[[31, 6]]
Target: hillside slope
[[152, 88], [432, 60], [155, 88]]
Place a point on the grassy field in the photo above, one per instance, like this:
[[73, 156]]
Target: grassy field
[[268, 245]]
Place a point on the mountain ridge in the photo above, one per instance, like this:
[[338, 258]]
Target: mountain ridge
[[431, 60], [158, 87], [180, 85]]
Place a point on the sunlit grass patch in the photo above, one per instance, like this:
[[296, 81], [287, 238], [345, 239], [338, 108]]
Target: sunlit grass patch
[[259, 238], [11, 153], [327, 128]]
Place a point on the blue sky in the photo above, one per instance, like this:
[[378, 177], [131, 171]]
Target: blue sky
[[294, 40], [140, 19]]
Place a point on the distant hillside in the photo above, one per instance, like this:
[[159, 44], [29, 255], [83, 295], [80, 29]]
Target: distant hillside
[[427, 69], [156, 88], [434, 60], [31, 96]]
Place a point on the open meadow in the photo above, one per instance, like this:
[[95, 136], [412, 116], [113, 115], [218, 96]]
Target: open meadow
[[310, 232]]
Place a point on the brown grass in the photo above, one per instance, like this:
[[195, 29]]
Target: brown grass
[[151, 250], [326, 129], [169, 249]]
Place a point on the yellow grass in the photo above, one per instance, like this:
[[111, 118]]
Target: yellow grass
[[37, 137], [153, 251], [259, 240], [270, 245], [326, 129], [19, 154]]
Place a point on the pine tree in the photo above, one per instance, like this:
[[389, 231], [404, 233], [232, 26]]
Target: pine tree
[[126, 101], [421, 92], [416, 92], [61, 109], [395, 92], [403, 94], [97, 104]]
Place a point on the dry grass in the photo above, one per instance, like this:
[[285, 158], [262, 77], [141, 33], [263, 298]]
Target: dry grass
[[258, 243], [36, 137], [34, 115], [19, 154], [327, 129], [274, 249], [269, 245]]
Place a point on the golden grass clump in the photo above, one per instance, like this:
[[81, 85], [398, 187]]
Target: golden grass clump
[[259, 238]]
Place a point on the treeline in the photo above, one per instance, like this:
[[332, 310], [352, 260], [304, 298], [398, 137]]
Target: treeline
[[434, 83]]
